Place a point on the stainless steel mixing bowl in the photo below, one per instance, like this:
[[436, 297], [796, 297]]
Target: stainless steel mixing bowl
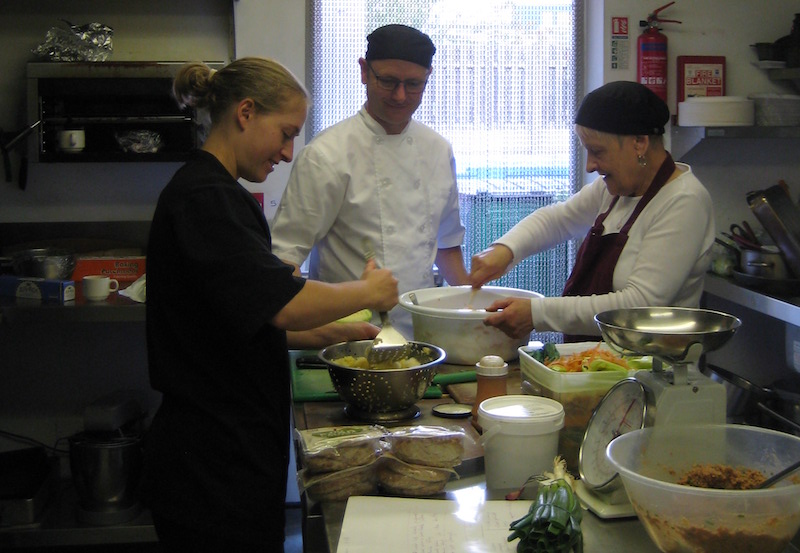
[[381, 394], [673, 334], [49, 263]]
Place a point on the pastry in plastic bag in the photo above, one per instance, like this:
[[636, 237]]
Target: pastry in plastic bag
[[399, 478], [432, 446], [339, 485], [335, 448]]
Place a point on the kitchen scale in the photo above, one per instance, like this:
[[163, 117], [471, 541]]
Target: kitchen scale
[[673, 392]]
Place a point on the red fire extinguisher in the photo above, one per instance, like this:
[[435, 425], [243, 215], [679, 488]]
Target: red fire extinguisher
[[651, 70]]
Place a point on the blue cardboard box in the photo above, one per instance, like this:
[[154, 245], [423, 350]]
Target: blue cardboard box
[[37, 288]]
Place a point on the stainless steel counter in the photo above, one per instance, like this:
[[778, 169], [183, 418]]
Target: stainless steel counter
[[786, 309], [600, 535], [59, 527]]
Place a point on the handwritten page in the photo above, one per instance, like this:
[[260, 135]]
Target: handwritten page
[[464, 525]]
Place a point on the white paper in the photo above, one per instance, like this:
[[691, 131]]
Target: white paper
[[465, 525], [137, 291]]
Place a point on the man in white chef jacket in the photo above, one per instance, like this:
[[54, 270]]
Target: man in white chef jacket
[[381, 175]]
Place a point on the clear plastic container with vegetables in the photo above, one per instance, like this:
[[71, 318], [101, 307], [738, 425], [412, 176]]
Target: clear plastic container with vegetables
[[577, 375]]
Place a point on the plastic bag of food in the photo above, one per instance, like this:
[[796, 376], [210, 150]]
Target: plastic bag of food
[[431, 446], [89, 42], [397, 477], [339, 485], [139, 141], [334, 448]]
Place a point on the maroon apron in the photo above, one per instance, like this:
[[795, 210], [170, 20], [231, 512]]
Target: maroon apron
[[597, 257]]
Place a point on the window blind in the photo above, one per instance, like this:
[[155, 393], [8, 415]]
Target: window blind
[[503, 91]]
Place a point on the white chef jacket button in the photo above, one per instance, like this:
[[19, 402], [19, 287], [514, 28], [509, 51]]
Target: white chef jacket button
[[378, 140], [410, 140], [390, 229], [421, 228], [386, 181], [417, 184]]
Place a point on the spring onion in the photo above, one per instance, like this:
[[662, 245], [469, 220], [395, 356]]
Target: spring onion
[[553, 523]]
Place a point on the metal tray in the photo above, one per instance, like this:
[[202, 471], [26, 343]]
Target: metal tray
[[780, 287], [781, 218]]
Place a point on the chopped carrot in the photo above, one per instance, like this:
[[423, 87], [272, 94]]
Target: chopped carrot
[[579, 362]]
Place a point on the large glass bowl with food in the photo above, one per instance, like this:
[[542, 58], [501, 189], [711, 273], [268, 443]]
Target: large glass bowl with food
[[384, 392], [694, 487]]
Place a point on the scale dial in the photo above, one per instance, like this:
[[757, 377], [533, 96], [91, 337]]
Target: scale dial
[[621, 410]]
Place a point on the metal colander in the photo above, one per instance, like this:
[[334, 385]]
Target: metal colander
[[381, 394]]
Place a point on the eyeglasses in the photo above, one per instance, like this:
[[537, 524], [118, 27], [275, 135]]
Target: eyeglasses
[[390, 84]]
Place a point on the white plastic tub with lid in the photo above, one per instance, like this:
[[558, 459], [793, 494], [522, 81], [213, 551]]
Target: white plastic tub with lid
[[520, 438], [709, 111]]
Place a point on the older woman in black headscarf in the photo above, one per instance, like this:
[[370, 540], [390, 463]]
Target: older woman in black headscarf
[[647, 224]]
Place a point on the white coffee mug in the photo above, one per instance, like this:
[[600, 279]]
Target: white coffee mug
[[98, 287], [72, 140]]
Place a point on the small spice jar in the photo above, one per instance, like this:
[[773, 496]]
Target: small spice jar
[[491, 374]]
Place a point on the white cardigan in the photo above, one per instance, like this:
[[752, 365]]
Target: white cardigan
[[663, 263]]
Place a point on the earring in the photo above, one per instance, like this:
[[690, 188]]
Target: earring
[[642, 161]]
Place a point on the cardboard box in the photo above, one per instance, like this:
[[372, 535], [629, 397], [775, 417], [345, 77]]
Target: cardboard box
[[124, 269], [37, 288]]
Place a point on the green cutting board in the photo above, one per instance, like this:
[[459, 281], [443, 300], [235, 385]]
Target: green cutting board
[[312, 385]]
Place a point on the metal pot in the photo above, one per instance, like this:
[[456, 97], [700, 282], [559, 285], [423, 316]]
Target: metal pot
[[764, 263], [105, 471]]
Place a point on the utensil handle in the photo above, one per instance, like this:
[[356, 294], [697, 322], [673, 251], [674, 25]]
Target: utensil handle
[[750, 233], [778, 475], [309, 362], [369, 253]]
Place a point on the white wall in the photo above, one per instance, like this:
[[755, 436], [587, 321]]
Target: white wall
[[709, 27], [286, 43], [729, 168]]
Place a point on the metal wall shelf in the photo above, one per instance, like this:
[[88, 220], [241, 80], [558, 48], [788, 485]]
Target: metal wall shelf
[[786, 74], [109, 100], [684, 139], [786, 310]]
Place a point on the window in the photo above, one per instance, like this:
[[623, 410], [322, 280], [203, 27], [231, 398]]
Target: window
[[503, 91]]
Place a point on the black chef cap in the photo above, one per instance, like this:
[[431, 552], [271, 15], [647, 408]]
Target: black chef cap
[[623, 107], [399, 42]]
